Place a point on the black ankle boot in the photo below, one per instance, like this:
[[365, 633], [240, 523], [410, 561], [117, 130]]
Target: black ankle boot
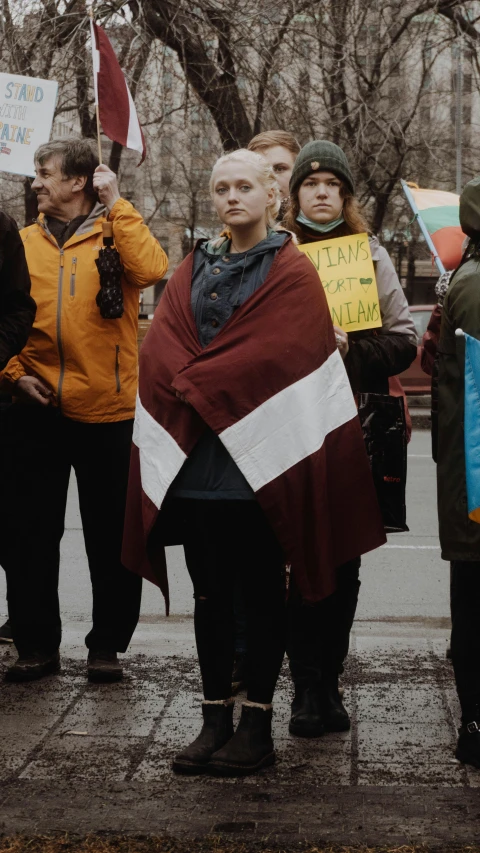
[[217, 730], [468, 745], [306, 719], [335, 715], [32, 667], [251, 747]]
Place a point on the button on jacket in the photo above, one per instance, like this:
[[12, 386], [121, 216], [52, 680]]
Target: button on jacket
[[89, 363], [222, 281]]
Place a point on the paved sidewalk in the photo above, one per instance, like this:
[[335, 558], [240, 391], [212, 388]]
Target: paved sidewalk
[[83, 758]]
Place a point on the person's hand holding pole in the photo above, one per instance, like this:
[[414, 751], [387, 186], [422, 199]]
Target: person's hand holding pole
[[105, 184]]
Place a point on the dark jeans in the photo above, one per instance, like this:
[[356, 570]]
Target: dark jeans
[[41, 448], [465, 604], [227, 542], [319, 634]]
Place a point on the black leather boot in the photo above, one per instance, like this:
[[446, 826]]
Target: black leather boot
[[251, 747], [334, 713], [216, 731], [468, 745], [104, 667], [306, 719], [33, 667]]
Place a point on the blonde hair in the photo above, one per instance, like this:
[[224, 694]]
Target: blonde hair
[[264, 173]]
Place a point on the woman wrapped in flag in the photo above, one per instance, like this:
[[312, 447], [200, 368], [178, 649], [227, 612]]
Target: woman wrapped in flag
[[458, 469], [248, 450]]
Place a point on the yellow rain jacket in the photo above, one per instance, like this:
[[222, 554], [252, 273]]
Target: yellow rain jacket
[[89, 363]]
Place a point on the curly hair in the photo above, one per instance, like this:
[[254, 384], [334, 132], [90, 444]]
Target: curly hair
[[265, 175]]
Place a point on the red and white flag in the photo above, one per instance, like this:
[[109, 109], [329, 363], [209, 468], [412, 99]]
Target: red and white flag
[[116, 108], [273, 387]]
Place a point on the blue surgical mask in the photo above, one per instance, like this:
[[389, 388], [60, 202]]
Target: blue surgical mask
[[321, 227]]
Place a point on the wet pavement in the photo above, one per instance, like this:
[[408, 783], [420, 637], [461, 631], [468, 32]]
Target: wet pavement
[[87, 758]]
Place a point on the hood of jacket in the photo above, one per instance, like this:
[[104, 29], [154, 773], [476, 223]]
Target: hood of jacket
[[98, 211], [470, 208], [221, 245]]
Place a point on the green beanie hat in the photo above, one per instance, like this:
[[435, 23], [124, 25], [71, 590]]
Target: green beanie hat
[[321, 156], [470, 208]]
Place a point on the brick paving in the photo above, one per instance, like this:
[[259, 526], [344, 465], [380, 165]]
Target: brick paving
[[84, 758]]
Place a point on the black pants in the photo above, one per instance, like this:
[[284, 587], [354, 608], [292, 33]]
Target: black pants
[[319, 634], [41, 447], [465, 604], [226, 542]]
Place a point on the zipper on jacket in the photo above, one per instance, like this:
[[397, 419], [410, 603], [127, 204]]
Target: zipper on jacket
[[117, 368], [72, 276], [59, 329]]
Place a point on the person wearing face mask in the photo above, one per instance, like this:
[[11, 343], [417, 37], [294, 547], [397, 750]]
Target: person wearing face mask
[[244, 408], [323, 206]]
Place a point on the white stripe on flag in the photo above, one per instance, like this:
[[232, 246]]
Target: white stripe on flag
[[160, 456], [292, 424], [134, 136], [95, 60]]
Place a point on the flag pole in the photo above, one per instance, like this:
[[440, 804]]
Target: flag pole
[[422, 226], [95, 88], [99, 141]]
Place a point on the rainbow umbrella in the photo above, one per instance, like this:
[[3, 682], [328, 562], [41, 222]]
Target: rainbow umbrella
[[439, 213]]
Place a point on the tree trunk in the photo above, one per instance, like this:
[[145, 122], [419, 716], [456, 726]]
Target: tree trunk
[[214, 82], [31, 207], [115, 157], [410, 288], [87, 118]]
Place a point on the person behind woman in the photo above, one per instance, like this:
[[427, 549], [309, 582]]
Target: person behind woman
[[244, 409], [280, 149], [323, 206]]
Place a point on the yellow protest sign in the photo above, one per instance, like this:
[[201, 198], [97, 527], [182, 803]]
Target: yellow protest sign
[[346, 271]]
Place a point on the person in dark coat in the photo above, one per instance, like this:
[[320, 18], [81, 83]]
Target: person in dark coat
[[17, 308], [429, 357], [17, 313], [323, 206], [459, 536], [429, 362]]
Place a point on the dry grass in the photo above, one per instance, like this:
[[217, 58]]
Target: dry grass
[[122, 844]]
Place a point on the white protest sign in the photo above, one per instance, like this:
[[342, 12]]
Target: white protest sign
[[27, 105]]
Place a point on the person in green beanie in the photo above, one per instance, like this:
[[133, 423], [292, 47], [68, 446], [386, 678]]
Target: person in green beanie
[[323, 206]]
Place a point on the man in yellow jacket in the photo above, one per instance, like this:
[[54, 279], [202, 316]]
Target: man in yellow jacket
[[75, 386]]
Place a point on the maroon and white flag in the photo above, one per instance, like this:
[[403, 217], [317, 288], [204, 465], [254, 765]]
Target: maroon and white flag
[[273, 386], [116, 108]]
